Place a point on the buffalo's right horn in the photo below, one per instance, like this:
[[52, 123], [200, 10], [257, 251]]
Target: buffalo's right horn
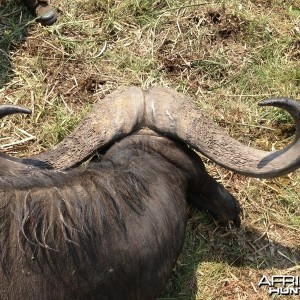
[[115, 116], [174, 114], [6, 110]]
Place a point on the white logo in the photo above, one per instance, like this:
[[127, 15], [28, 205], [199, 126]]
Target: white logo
[[281, 284]]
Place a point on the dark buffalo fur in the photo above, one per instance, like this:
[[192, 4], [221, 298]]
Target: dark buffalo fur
[[110, 231], [113, 228]]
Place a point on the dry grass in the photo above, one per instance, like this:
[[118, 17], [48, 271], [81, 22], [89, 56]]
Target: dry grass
[[227, 55]]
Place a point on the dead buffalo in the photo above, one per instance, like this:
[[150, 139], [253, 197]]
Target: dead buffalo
[[113, 227]]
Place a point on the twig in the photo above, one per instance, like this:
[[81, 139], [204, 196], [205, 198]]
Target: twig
[[287, 226], [292, 269], [25, 132], [17, 142], [102, 50], [244, 95], [253, 286], [182, 7], [285, 256], [249, 125]]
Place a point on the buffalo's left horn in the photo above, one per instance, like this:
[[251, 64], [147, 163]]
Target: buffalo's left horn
[[174, 114], [6, 110], [7, 162]]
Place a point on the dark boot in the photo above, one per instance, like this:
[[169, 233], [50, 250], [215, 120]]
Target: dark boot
[[41, 9]]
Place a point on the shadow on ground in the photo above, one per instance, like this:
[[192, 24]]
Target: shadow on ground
[[14, 25], [245, 248]]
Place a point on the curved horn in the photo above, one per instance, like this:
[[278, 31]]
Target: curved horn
[[112, 118], [174, 114], [6, 110], [7, 162]]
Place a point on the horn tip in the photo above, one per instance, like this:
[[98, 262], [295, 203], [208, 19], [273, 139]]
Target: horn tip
[[6, 110], [277, 101]]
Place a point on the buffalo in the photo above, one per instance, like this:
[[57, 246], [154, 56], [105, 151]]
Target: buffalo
[[102, 215]]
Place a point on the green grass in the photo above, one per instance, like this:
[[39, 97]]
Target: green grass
[[227, 55]]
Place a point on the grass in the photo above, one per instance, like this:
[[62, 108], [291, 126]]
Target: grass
[[227, 55]]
